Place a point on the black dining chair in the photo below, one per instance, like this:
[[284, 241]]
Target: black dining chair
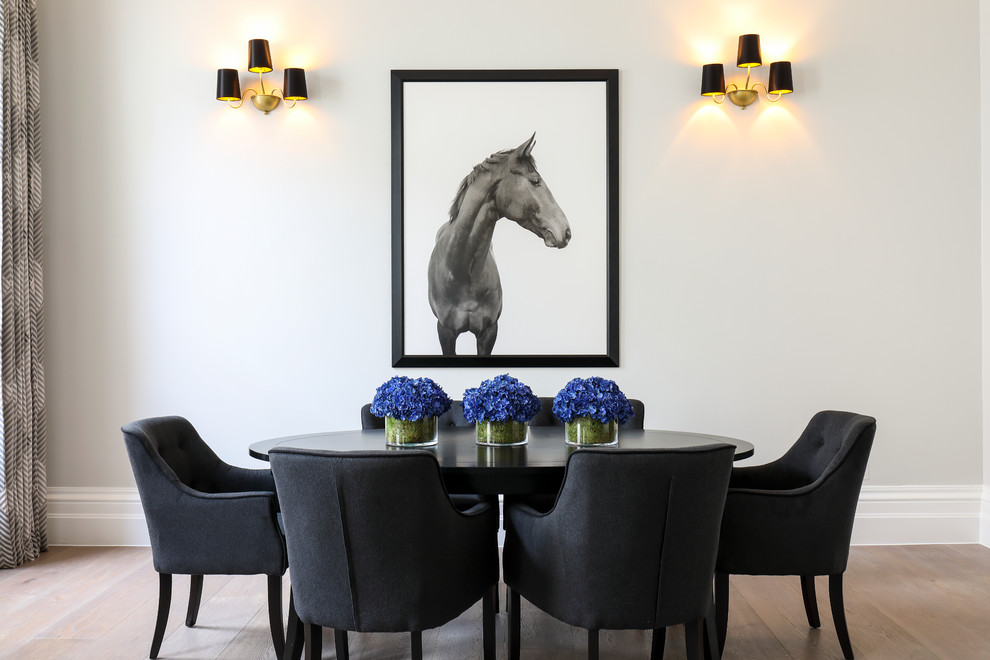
[[544, 501], [794, 516], [629, 544], [546, 417], [204, 517], [377, 546], [454, 417]]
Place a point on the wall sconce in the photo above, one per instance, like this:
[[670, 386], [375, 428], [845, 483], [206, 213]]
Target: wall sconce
[[260, 62], [713, 76]]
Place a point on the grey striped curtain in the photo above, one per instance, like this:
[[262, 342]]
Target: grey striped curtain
[[23, 488]]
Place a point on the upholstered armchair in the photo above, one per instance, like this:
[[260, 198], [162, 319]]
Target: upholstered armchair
[[630, 544], [450, 419], [794, 516], [204, 517], [376, 545]]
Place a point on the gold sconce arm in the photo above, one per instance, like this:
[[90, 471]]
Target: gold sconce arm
[[766, 92]]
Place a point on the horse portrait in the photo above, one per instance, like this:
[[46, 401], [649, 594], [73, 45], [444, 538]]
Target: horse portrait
[[464, 288]]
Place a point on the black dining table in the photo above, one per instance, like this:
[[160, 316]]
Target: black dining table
[[467, 467]]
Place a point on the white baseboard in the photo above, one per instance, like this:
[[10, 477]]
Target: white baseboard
[[96, 516], [985, 518], [887, 515], [901, 515]]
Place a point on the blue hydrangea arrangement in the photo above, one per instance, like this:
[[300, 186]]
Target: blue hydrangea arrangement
[[501, 399], [410, 399], [595, 397]]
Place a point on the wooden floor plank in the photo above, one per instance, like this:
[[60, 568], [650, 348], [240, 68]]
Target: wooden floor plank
[[902, 603], [97, 610], [746, 632], [931, 604]]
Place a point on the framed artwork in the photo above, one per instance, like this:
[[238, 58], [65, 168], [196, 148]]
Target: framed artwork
[[505, 218]]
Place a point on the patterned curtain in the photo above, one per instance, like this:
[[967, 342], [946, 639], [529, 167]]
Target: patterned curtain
[[23, 489]]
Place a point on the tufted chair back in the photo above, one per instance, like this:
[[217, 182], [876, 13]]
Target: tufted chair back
[[832, 442], [176, 443]]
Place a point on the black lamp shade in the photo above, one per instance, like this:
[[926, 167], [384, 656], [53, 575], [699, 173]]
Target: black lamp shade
[[712, 80], [259, 57], [294, 85], [780, 81], [228, 85], [749, 51]]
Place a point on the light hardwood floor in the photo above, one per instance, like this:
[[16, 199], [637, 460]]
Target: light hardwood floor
[[902, 602]]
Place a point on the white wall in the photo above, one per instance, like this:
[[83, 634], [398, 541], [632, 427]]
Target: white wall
[[234, 268]]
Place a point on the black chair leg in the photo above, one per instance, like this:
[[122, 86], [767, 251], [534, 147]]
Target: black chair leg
[[195, 595], [593, 645], [275, 613], [294, 635], [659, 642], [340, 644], [416, 644], [839, 614], [512, 605], [489, 606], [314, 642], [164, 600], [712, 652], [721, 608], [694, 639], [810, 600]]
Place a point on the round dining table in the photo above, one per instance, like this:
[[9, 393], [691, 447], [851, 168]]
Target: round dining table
[[531, 468]]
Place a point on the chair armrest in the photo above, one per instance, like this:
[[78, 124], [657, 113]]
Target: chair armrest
[[775, 492], [216, 533], [465, 552], [237, 479], [479, 509], [802, 531], [521, 511], [772, 476]]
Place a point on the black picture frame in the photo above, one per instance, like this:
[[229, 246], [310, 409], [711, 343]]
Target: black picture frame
[[609, 355]]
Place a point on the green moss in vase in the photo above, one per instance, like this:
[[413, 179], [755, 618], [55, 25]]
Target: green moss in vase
[[411, 432], [590, 431], [501, 433]]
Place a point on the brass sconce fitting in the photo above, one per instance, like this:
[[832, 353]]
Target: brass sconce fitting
[[713, 77], [260, 62]]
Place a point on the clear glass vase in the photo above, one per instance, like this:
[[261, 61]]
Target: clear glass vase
[[589, 431], [501, 434], [411, 433]]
